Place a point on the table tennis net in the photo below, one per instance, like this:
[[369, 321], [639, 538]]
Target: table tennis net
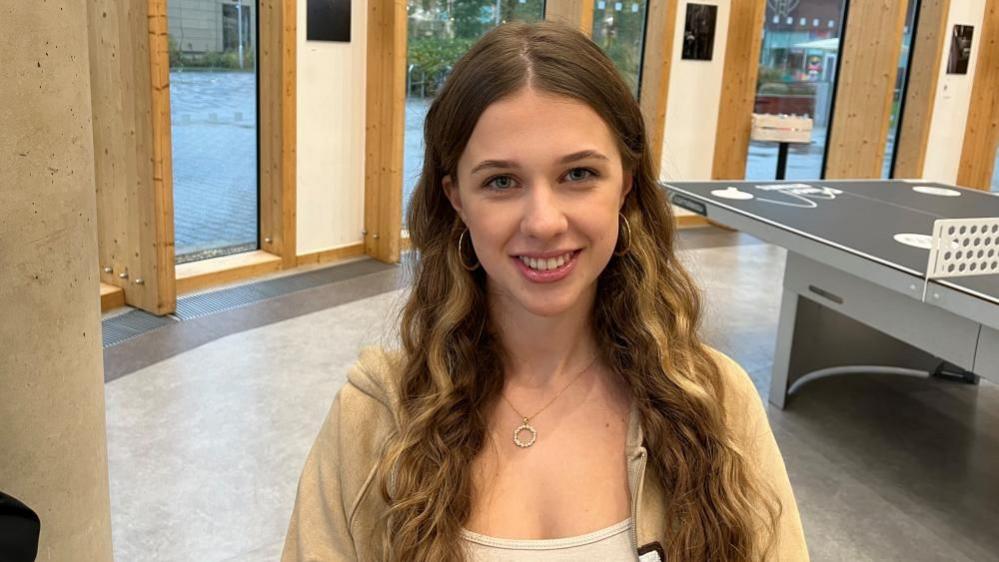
[[964, 247]]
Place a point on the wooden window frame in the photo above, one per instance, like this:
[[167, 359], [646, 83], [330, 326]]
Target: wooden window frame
[[981, 133], [858, 131]]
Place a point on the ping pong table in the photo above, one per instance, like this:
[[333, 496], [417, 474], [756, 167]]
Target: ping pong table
[[863, 291]]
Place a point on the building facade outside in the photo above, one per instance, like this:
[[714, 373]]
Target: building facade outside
[[200, 27]]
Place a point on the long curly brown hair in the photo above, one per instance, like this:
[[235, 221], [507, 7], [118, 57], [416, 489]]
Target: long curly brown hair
[[646, 319]]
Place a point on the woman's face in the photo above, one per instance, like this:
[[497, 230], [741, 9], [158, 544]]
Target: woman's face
[[539, 187]]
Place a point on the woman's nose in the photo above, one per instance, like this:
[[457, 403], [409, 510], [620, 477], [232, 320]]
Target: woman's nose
[[543, 214]]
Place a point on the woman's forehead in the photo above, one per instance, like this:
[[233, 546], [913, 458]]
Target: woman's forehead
[[538, 130]]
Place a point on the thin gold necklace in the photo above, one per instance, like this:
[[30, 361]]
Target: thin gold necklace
[[527, 426]]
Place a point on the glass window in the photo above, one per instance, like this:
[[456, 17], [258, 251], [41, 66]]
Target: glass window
[[797, 76], [213, 107], [439, 33], [995, 174], [901, 81], [619, 29]]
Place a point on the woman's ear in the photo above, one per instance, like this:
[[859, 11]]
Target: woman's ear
[[626, 185], [453, 195]]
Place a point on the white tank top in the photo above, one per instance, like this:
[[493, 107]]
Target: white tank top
[[610, 544]]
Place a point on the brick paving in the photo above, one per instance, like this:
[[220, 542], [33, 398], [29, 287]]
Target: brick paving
[[215, 161], [213, 115]]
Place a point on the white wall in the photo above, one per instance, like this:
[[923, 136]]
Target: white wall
[[692, 104], [950, 109], [331, 92]]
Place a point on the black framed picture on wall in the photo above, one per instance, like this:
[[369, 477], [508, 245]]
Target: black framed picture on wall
[[960, 49], [328, 20], [699, 32]]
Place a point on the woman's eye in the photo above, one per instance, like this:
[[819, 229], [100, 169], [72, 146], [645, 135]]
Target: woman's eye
[[588, 171], [492, 184]]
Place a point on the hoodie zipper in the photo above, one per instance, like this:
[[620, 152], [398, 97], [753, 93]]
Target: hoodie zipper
[[636, 496]]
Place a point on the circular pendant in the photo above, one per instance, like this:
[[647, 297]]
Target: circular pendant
[[524, 427]]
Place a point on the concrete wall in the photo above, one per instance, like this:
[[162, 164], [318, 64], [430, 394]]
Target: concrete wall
[[331, 105], [53, 448], [692, 106]]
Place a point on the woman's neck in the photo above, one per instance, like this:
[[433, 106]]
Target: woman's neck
[[544, 351]]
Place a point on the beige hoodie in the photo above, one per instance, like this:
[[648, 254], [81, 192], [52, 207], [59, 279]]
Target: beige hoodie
[[338, 502]]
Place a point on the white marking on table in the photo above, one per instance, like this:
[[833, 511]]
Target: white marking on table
[[732, 192], [938, 191], [921, 241], [804, 195]]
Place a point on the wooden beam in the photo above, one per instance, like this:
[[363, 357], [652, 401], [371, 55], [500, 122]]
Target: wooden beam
[[219, 271], [865, 87], [738, 96], [385, 128], [924, 73], [981, 134], [577, 13], [278, 112], [656, 64], [157, 230], [335, 254], [111, 297], [130, 97]]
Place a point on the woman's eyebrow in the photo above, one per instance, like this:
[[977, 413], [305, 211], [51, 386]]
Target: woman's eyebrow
[[581, 155]]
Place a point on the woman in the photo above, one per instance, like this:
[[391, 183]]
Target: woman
[[552, 399]]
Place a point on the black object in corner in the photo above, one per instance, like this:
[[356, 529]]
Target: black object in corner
[[19, 529]]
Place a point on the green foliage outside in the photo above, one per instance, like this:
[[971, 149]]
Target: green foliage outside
[[438, 37], [228, 60], [434, 55], [619, 30], [625, 58], [779, 82]]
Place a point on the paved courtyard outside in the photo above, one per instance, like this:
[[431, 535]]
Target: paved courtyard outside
[[416, 112], [214, 120], [215, 161], [804, 161], [995, 175]]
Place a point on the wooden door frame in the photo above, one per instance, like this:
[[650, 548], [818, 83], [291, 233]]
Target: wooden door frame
[[981, 133]]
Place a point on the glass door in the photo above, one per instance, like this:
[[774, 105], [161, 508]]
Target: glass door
[[797, 76], [901, 86], [619, 29], [213, 107], [995, 174]]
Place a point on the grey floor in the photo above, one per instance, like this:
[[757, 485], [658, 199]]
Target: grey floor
[[209, 423]]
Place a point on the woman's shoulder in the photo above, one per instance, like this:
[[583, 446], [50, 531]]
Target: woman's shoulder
[[361, 417], [733, 374], [741, 398], [367, 404], [376, 374]]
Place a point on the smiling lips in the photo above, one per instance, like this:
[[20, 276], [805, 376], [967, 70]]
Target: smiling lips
[[542, 264], [546, 269]]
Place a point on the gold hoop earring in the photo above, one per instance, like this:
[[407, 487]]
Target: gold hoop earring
[[626, 227], [461, 254]]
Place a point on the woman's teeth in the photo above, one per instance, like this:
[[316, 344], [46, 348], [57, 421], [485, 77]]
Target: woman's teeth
[[546, 264]]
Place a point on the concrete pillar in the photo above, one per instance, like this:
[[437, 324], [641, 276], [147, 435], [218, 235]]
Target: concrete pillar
[[53, 445]]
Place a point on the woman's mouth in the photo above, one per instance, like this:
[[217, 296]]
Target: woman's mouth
[[547, 270]]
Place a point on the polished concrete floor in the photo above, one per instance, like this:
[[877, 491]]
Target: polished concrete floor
[[209, 424]]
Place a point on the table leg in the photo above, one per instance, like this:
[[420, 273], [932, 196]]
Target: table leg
[[812, 338], [782, 353], [782, 160]]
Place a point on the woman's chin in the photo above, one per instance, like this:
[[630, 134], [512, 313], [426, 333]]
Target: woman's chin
[[548, 306]]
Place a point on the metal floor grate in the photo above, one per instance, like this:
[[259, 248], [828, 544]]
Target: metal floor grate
[[125, 326], [196, 306], [130, 324]]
